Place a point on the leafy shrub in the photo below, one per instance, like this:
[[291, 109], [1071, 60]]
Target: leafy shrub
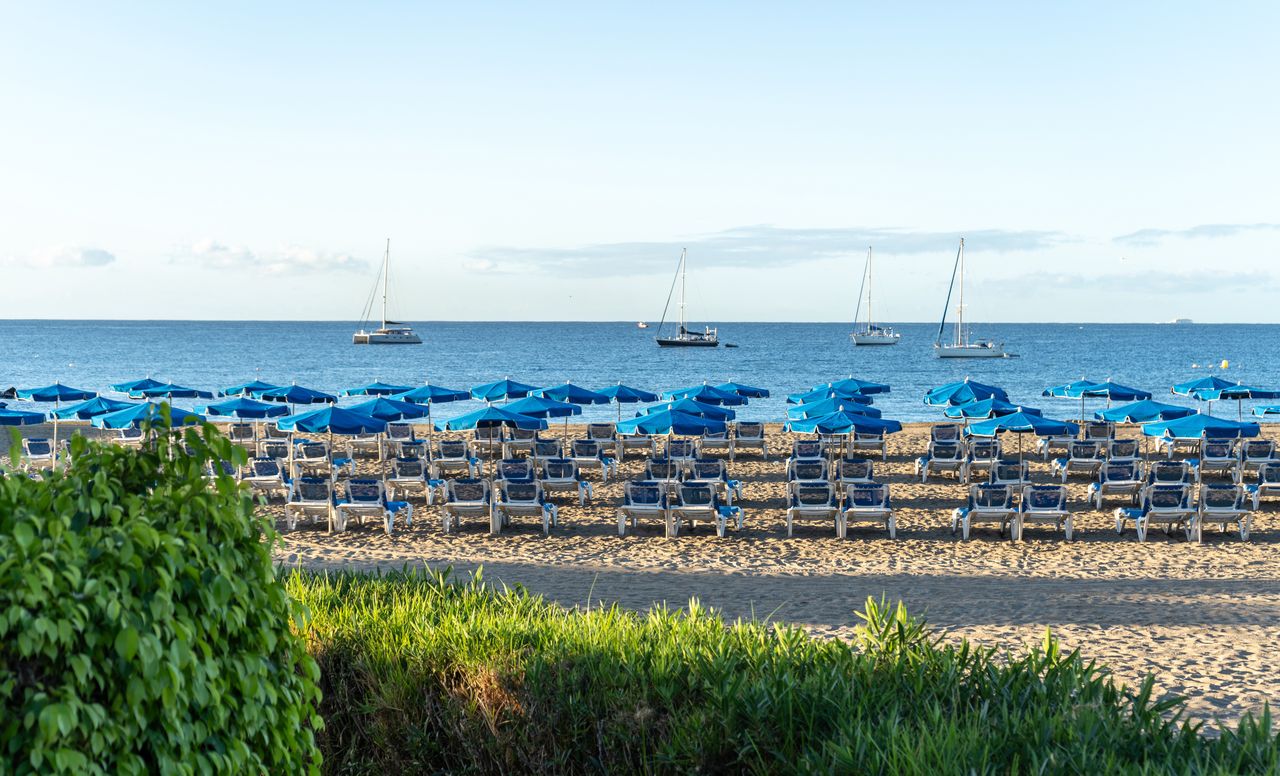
[[421, 675], [142, 626]]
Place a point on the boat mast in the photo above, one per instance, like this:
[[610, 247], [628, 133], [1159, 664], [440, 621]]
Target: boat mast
[[960, 308], [386, 270], [869, 318], [683, 273]]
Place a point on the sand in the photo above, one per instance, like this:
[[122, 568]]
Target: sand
[[1201, 618]]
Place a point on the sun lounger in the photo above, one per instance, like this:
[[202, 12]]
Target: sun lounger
[[713, 473], [682, 450], [643, 442], [243, 434], [1224, 504], [487, 441], [397, 436], [280, 449], [988, 504], [519, 439], [1169, 504], [1082, 457], [1254, 454], [365, 443], [1170, 473], [1098, 431], [1045, 504], [808, 471], [855, 471], [267, 476], [453, 456], [515, 469], [1048, 445], [1268, 483], [1117, 479], [945, 432], [522, 498], [589, 454], [409, 476], [664, 471], [698, 501], [272, 431], [1015, 473], [747, 436], [1217, 456], [983, 454], [869, 442], [643, 499], [943, 457], [806, 450], [129, 437], [368, 498], [464, 497], [709, 442], [814, 501], [607, 435], [309, 497], [545, 450], [868, 501], [1122, 450], [561, 475], [311, 458], [37, 454]]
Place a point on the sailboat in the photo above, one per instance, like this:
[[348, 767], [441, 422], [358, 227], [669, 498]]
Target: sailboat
[[871, 334], [961, 346], [390, 332], [707, 338]]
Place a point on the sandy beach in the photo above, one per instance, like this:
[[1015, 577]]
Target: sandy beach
[[1198, 617]]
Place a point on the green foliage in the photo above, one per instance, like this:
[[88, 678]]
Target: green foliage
[[423, 675], [142, 626]]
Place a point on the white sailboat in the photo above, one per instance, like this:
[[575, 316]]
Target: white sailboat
[[961, 346], [390, 332], [684, 338], [871, 334]]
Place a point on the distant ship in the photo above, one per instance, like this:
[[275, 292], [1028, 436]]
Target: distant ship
[[1182, 320], [961, 346], [390, 332], [642, 325], [871, 334], [684, 338]]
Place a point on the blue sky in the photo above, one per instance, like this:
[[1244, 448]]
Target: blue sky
[[238, 161]]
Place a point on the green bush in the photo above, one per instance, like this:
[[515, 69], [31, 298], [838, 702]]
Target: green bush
[[142, 626], [421, 675]]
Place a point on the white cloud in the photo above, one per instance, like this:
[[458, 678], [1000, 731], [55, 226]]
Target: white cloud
[[480, 265], [292, 259], [1203, 231], [68, 256]]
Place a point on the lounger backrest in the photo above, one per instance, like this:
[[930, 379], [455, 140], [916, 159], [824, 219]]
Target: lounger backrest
[[679, 448], [663, 469], [1119, 472], [1007, 471], [868, 495], [696, 495], [312, 451], [1259, 449], [750, 431], [399, 432], [808, 470], [990, 495], [37, 447], [515, 469], [265, 467], [1167, 496], [704, 469], [1169, 471], [522, 434], [239, 432], [452, 448], [559, 469], [601, 431], [1045, 496], [643, 494], [1124, 448], [856, 470], [413, 448], [1269, 473], [1221, 495], [314, 489], [468, 489], [275, 432], [546, 448], [130, 433], [812, 494], [984, 449], [520, 490], [1098, 430], [364, 491], [944, 432], [586, 448], [945, 451], [409, 468], [275, 449], [1084, 451], [490, 433], [806, 448]]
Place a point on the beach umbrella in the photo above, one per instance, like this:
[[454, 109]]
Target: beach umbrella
[[56, 393], [129, 386], [963, 392], [815, 408], [8, 393], [1240, 392], [247, 409], [333, 420], [671, 422], [492, 417], [502, 390], [748, 391], [623, 394], [827, 392], [543, 407], [1270, 409], [296, 394], [1206, 389], [1144, 411], [843, 422], [852, 384], [376, 388], [706, 394], [1201, 425], [11, 417], [987, 408], [573, 394], [248, 389], [693, 407], [1022, 423], [1068, 390], [1111, 391], [170, 391], [432, 394], [147, 412], [391, 410], [92, 408]]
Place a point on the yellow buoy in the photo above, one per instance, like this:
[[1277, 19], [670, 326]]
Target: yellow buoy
[[1225, 363]]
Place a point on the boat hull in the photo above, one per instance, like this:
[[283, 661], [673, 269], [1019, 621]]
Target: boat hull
[[970, 351], [385, 338], [683, 343], [875, 339]]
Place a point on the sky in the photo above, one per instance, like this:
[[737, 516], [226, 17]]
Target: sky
[[1104, 162]]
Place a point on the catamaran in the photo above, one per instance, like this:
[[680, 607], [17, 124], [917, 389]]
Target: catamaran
[[684, 338], [961, 346], [871, 334], [390, 332]]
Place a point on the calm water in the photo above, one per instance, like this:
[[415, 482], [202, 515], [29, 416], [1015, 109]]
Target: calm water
[[783, 357]]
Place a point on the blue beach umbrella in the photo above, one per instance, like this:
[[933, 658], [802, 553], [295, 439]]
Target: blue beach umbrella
[[625, 394], [826, 406], [376, 388], [542, 407], [852, 384], [963, 392], [55, 393], [1270, 409], [432, 394], [573, 394], [12, 417], [693, 407], [248, 389], [828, 392], [492, 417], [1240, 392], [1201, 425], [129, 386], [390, 410], [1022, 423], [333, 420], [706, 394], [671, 422], [987, 408], [92, 408], [1145, 411], [502, 390], [843, 422], [1112, 391], [748, 391], [147, 412], [1068, 390], [296, 394], [1203, 388], [247, 409], [170, 391]]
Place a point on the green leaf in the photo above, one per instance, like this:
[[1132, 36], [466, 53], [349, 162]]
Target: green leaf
[[127, 643]]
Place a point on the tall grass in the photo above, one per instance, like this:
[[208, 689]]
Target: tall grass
[[424, 675]]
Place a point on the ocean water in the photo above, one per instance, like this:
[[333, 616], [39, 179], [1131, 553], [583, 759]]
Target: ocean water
[[783, 357]]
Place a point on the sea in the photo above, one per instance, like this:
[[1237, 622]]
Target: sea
[[781, 357]]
